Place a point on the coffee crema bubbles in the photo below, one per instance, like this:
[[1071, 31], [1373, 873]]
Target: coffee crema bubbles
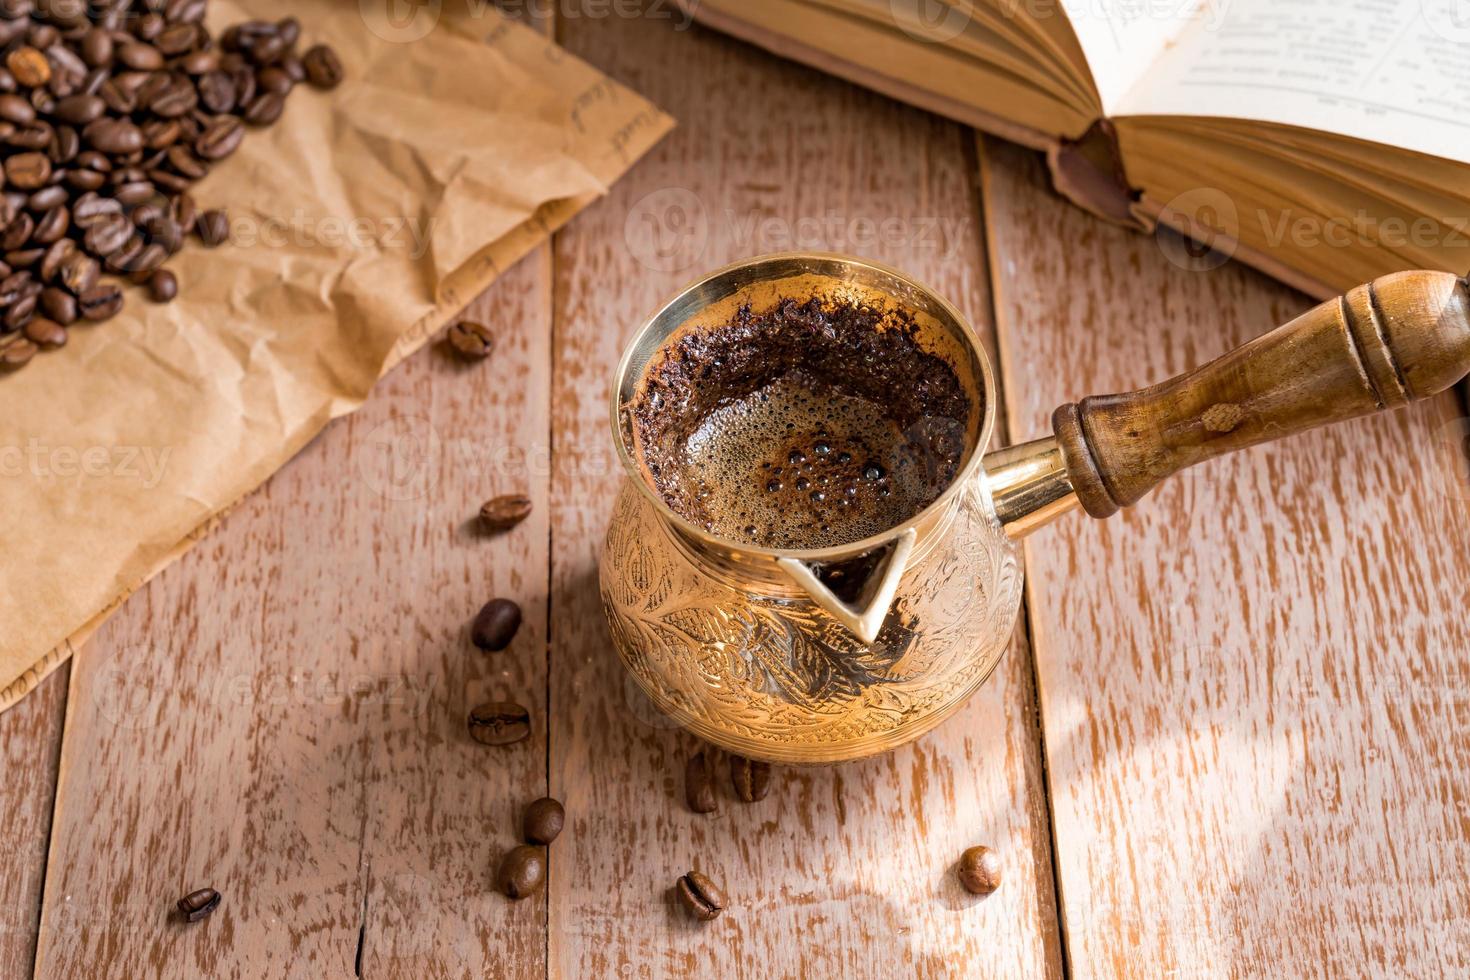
[[810, 425]]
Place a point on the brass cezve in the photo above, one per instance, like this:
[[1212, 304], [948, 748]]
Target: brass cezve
[[746, 648]]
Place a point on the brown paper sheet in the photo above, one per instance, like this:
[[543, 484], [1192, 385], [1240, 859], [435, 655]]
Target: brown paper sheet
[[363, 221]]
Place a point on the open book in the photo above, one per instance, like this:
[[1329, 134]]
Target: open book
[[1326, 142]]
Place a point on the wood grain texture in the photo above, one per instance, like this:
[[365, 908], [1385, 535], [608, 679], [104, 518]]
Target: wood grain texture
[[1400, 338], [1253, 683], [842, 871], [298, 738], [30, 745]]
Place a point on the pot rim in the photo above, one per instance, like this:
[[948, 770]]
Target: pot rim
[[791, 264]]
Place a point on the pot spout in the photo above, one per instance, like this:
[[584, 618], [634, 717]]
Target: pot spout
[[1030, 486]]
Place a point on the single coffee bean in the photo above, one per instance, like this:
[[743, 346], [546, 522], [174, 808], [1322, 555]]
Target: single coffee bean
[[59, 305], [108, 236], [100, 302], [29, 66], [149, 26], [288, 29], [504, 512], [701, 897], [51, 227], [185, 11], [28, 171], [323, 67], [15, 352], [265, 109], [24, 258], [163, 285], [47, 334], [979, 870], [122, 259], [177, 39], [18, 233], [115, 136], [220, 138], [164, 231], [198, 62], [522, 871], [139, 57], [80, 109], [275, 79], [495, 625], [97, 47], [47, 198], [499, 723], [213, 227], [171, 99], [217, 91], [751, 778], [20, 314], [699, 784], [471, 340], [91, 208], [543, 820], [79, 273], [199, 905], [16, 109]]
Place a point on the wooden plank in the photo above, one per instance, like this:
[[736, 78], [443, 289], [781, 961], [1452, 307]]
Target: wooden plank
[[843, 871], [1253, 684], [30, 747], [281, 714]]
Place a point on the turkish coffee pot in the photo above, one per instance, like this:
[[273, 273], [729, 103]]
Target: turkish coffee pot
[[750, 648]]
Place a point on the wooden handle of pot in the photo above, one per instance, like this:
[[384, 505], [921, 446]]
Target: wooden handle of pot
[[1395, 340]]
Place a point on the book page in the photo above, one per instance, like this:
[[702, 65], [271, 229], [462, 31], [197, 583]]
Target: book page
[[1395, 72], [1122, 38]]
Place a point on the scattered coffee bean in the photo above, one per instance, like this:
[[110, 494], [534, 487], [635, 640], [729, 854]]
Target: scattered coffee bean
[[213, 227], [505, 512], [979, 870], [751, 778], [699, 784], [495, 625], [323, 67], [543, 820], [46, 334], [15, 351], [522, 871], [500, 723], [700, 896], [163, 286], [200, 904], [471, 340]]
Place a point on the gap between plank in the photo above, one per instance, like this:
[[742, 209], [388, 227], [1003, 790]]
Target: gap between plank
[[995, 277], [55, 798]]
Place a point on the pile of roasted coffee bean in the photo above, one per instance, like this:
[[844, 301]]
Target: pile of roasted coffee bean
[[110, 110]]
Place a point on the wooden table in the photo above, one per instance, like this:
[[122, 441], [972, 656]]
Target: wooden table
[[1230, 738]]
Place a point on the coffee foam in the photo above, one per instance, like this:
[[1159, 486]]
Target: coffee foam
[[797, 464], [811, 424]]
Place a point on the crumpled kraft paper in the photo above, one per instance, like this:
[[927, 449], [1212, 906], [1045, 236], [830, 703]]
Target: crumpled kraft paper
[[363, 221]]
